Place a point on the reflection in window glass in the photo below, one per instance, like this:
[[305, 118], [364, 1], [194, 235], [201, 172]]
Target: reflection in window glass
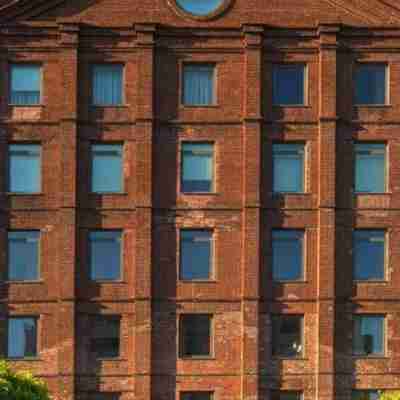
[[107, 85], [196, 396], [195, 330], [198, 84], [288, 82], [370, 82], [199, 7], [22, 338], [105, 336], [368, 335], [283, 395], [25, 84], [287, 331], [365, 395]]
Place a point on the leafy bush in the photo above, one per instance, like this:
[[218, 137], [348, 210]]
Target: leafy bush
[[20, 385], [390, 395]]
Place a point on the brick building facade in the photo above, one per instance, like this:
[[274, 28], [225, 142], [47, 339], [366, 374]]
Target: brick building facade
[[153, 40]]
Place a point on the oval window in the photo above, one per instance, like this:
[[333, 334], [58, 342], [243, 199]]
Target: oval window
[[200, 8]]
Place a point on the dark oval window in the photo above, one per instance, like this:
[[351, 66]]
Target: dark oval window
[[200, 8]]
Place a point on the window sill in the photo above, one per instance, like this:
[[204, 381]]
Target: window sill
[[27, 105], [24, 194], [373, 357], [110, 359], [282, 358], [371, 193], [199, 194], [278, 194], [202, 281], [197, 358], [108, 282], [189, 106], [372, 281], [94, 194], [290, 282], [358, 106], [36, 282], [24, 359], [306, 106]]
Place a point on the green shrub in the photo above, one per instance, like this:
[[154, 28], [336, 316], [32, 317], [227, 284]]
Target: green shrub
[[20, 385], [390, 395]]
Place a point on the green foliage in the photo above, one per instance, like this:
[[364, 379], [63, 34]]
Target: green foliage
[[20, 385], [390, 395]]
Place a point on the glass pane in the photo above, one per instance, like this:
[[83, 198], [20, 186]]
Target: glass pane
[[288, 84], [197, 7], [370, 173], [198, 87], [277, 395], [369, 255], [365, 395], [287, 336], [25, 84], [196, 331], [23, 255], [107, 168], [196, 396], [107, 85], [287, 255], [370, 84], [105, 336], [105, 255], [288, 168], [24, 168], [197, 167], [368, 335], [195, 255], [22, 340]]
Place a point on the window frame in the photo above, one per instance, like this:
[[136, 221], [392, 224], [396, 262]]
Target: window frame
[[182, 393], [287, 65], [300, 355], [180, 338], [359, 64], [212, 264], [93, 319], [276, 394], [215, 99]]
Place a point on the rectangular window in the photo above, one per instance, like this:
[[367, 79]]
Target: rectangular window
[[368, 335], [287, 335], [105, 255], [370, 168], [288, 82], [198, 84], [369, 255], [22, 337], [195, 339], [23, 255], [105, 337], [24, 168], [283, 395], [25, 83], [197, 167], [107, 176], [107, 84], [287, 255], [196, 396], [371, 84], [365, 395], [195, 254], [288, 168]]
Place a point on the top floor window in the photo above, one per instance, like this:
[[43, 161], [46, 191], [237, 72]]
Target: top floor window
[[107, 84], [289, 83], [371, 84], [198, 84], [25, 83]]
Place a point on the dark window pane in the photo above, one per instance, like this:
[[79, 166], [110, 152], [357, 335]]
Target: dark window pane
[[198, 85], [281, 395], [196, 396], [370, 168], [105, 255], [195, 335], [288, 84], [25, 84], [107, 85], [365, 395], [287, 336], [107, 168], [288, 168], [197, 167], [24, 168], [22, 338], [369, 255], [195, 254], [287, 255], [370, 82], [23, 255], [197, 7], [105, 337], [368, 335]]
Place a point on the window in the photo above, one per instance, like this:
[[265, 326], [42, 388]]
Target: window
[[370, 168], [197, 167], [195, 254], [198, 84], [368, 335], [22, 337], [287, 335], [287, 255], [288, 168], [370, 84], [199, 8], [280, 395], [105, 255], [104, 396], [24, 168], [288, 84], [365, 395], [107, 168], [195, 330], [25, 82], [369, 255], [105, 337], [107, 84], [196, 396], [23, 255]]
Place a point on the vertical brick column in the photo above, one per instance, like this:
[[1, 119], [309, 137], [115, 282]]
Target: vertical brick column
[[327, 204], [252, 125], [67, 233], [144, 138]]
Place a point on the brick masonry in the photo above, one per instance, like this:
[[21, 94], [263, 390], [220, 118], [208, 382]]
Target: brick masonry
[[153, 41]]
